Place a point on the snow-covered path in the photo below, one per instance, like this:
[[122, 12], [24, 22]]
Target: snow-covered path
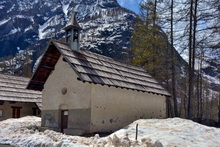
[[166, 132]]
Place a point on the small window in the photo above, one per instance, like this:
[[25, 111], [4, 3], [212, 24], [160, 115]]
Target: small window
[[75, 37], [1, 113], [68, 34]]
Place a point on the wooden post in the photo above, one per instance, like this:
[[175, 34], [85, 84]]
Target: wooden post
[[136, 132]]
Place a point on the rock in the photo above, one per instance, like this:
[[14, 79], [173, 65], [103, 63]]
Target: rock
[[158, 144], [147, 142]]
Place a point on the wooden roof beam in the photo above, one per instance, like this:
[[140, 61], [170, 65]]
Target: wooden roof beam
[[47, 67], [37, 83]]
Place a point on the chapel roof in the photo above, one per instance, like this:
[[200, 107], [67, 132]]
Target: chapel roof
[[94, 68]]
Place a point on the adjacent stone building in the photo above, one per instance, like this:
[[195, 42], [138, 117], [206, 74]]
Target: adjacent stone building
[[84, 92], [15, 100]]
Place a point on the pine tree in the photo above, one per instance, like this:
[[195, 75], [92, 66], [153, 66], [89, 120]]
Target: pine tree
[[3, 67], [149, 45]]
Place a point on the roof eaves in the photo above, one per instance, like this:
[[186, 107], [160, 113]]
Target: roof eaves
[[28, 85], [150, 92]]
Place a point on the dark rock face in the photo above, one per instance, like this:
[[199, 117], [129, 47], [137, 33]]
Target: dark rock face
[[25, 23]]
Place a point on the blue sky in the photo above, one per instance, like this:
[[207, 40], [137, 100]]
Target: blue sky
[[130, 4]]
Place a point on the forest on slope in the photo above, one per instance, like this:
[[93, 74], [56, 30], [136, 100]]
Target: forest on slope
[[194, 30]]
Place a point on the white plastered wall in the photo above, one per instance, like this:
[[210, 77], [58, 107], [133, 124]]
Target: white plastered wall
[[77, 95], [113, 108]]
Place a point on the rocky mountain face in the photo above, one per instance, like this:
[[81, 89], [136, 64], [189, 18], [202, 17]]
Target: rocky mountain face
[[30, 23]]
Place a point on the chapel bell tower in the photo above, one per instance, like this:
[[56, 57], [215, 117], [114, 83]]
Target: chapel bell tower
[[72, 30]]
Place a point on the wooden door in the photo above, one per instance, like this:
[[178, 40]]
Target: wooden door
[[64, 120], [16, 112]]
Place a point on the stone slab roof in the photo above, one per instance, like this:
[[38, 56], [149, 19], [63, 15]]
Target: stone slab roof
[[94, 68], [13, 88]]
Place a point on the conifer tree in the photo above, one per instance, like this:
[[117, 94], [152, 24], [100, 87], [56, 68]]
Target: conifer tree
[[149, 45], [3, 67]]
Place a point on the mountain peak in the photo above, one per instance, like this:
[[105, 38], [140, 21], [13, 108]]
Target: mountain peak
[[104, 22], [108, 3]]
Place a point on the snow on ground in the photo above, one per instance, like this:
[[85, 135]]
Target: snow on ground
[[173, 132], [23, 132], [156, 132]]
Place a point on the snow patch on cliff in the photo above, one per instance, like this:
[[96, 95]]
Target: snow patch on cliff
[[65, 9], [4, 21]]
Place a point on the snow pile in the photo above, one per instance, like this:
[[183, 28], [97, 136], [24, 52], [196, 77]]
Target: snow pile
[[24, 132], [172, 132], [152, 132]]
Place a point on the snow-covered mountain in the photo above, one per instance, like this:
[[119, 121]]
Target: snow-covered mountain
[[106, 25], [29, 24]]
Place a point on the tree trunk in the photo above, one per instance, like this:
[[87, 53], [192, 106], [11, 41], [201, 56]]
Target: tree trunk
[[201, 87], [198, 92], [200, 96], [190, 83], [194, 43], [219, 108], [155, 12], [173, 64], [185, 100]]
